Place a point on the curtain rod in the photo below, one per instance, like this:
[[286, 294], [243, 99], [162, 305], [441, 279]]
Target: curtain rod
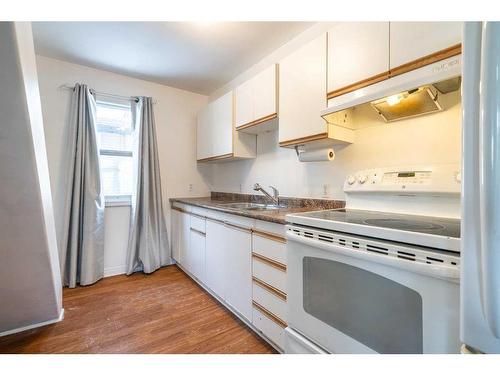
[[135, 98]]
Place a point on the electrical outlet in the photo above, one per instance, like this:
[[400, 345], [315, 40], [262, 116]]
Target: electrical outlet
[[241, 188], [190, 187]]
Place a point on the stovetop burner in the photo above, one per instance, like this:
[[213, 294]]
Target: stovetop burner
[[408, 223]]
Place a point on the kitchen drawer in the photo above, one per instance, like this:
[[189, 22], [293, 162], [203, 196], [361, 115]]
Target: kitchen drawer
[[270, 301], [272, 228], [272, 330], [182, 206], [199, 211], [268, 247], [271, 275], [198, 223]]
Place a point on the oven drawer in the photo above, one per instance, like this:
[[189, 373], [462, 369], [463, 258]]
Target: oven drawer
[[271, 301], [269, 246], [271, 328], [270, 274]]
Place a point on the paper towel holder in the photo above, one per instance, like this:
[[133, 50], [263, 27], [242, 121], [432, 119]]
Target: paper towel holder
[[298, 152]]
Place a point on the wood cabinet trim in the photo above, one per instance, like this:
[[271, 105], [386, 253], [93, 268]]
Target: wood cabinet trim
[[197, 231], [358, 85], [300, 141], [218, 157], [269, 261], [426, 60], [214, 220], [269, 236], [238, 227], [198, 216], [178, 209], [405, 68], [257, 122], [270, 315], [271, 289]]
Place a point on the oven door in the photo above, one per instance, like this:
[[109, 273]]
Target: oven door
[[351, 301]]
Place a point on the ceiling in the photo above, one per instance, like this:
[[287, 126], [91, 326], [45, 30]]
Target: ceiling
[[194, 56]]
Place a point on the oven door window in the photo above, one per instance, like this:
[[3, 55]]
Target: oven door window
[[375, 311]]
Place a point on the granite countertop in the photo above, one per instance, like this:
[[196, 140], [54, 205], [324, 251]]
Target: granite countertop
[[293, 205]]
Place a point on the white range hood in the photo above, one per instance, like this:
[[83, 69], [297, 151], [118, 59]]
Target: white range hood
[[407, 95]]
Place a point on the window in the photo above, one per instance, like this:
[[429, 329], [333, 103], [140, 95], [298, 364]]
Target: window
[[116, 142]]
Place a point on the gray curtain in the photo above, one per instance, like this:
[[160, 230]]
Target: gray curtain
[[148, 243], [83, 234]]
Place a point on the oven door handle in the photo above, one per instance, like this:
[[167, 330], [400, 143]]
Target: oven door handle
[[434, 270]]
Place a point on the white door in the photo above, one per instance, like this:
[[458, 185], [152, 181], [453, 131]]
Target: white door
[[221, 125], [184, 239], [357, 51], [203, 133], [302, 91], [244, 103], [410, 41], [215, 257], [239, 270], [265, 93], [175, 229], [197, 255]]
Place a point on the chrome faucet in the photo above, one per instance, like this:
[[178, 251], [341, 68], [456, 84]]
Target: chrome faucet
[[274, 198]]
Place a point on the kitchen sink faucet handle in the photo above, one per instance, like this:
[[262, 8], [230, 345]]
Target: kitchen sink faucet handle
[[276, 193]]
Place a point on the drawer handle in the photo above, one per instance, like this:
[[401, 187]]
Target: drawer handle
[[269, 236], [198, 216], [269, 262], [238, 227], [271, 289], [197, 231], [270, 315]]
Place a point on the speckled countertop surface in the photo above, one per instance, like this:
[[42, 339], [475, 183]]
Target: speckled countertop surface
[[293, 205]]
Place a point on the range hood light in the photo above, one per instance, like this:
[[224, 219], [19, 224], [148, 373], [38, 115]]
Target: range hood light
[[396, 99]]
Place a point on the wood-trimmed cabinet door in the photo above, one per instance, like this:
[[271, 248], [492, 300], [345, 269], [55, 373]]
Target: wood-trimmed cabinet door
[[221, 120], [239, 270], [204, 146], [302, 92], [265, 92], [410, 41], [215, 257], [175, 229], [184, 239], [358, 54]]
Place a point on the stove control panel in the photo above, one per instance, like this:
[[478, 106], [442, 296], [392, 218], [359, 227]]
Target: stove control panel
[[430, 179]]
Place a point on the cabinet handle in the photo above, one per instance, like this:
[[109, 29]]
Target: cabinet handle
[[271, 289], [238, 227], [269, 236], [269, 261], [198, 216], [270, 315], [197, 231], [215, 220]]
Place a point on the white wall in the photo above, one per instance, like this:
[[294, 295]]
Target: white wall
[[175, 114], [30, 282]]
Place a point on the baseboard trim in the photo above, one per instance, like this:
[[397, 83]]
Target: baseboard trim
[[33, 326], [113, 271]]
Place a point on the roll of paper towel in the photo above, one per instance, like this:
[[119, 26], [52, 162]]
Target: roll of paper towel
[[323, 154]]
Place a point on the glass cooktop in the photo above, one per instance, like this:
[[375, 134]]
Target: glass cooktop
[[410, 223]]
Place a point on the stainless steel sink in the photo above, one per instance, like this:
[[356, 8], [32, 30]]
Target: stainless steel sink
[[250, 206]]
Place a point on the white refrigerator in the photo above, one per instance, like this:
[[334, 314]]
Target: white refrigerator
[[480, 263]]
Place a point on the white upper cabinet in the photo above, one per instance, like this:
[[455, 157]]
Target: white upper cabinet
[[221, 120], [413, 40], [357, 51], [302, 93], [203, 148], [256, 99], [216, 136]]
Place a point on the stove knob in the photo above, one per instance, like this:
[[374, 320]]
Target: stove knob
[[351, 180], [458, 177], [362, 179]]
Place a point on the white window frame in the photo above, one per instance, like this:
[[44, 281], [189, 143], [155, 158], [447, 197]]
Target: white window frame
[[114, 200]]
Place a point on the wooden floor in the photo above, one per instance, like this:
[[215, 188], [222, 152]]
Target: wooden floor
[[165, 312]]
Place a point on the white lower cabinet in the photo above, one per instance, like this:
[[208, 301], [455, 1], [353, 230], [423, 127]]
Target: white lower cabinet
[[215, 257], [197, 254], [239, 269], [175, 227], [240, 261]]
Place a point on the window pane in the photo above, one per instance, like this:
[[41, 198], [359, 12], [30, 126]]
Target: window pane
[[114, 126], [116, 172]]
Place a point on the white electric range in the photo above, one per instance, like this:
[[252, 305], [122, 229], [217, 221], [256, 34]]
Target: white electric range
[[382, 274]]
